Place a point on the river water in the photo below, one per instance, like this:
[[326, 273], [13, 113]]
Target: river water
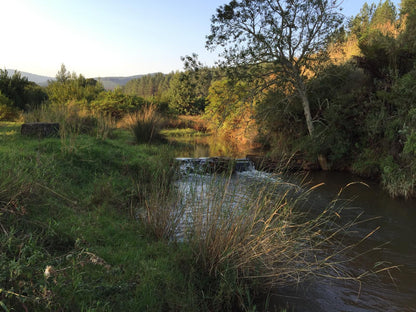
[[393, 244]]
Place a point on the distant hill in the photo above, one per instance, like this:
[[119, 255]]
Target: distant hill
[[109, 83], [40, 80]]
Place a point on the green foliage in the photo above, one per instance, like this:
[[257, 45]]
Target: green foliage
[[228, 105], [70, 87], [184, 97], [116, 104], [279, 118], [283, 46], [397, 179], [385, 12], [152, 86], [23, 94], [181, 92], [146, 125], [360, 23], [408, 12], [7, 111], [363, 110]]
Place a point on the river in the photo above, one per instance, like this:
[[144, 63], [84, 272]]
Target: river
[[393, 244]]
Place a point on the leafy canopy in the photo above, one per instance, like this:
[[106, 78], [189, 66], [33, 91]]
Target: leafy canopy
[[276, 42], [288, 35]]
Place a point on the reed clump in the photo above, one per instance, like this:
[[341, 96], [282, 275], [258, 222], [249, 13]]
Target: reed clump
[[145, 124], [159, 207], [252, 238]]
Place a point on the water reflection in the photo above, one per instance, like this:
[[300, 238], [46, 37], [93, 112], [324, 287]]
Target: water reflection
[[393, 244], [210, 146]]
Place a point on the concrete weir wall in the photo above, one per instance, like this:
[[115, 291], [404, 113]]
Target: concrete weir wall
[[40, 129], [214, 165]]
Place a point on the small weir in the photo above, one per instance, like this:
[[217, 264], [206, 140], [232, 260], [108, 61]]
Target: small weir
[[209, 165]]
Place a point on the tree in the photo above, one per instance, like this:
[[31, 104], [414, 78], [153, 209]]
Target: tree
[[227, 105], [278, 41], [23, 94], [63, 75], [408, 13], [183, 97], [359, 24], [189, 89], [70, 87], [7, 110]]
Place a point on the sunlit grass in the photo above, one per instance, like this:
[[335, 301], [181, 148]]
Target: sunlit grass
[[186, 132], [9, 128]]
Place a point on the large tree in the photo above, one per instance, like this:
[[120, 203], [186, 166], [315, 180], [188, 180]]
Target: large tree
[[281, 41]]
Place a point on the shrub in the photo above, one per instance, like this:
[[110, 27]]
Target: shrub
[[398, 180], [116, 104], [7, 111], [145, 125]]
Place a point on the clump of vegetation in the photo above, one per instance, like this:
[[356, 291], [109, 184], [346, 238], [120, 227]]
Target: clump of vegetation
[[146, 124]]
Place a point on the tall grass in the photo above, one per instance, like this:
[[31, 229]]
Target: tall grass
[[251, 238], [160, 210], [74, 119], [13, 189], [144, 124]]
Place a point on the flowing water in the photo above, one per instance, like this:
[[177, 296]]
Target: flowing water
[[393, 244]]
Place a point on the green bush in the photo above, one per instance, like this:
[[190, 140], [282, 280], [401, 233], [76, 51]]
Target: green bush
[[7, 111], [398, 180], [116, 104]]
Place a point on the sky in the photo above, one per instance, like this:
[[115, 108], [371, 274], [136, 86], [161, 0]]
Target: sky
[[99, 38]]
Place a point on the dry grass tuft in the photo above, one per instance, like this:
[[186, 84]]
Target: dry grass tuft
[[145, 124]]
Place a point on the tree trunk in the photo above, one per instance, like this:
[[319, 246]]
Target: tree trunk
[[307, 111], [308, 117]]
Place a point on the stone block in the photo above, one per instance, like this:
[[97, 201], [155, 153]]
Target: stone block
[[40, 129]]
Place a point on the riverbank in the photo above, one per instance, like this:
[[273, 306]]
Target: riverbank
[[83, 227], [69, 237]]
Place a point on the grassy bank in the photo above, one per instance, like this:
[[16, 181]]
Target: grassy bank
[[73, 213], [88, 224]]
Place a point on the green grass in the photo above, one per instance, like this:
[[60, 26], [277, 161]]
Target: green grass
[[91, 228], [76, 214], [187, 132], [73, 211]]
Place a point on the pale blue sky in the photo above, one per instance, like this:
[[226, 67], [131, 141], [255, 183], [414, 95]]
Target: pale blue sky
[[100, 38]]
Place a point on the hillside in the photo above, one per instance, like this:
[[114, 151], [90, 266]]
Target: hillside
[[39, 79], [109, 83]]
